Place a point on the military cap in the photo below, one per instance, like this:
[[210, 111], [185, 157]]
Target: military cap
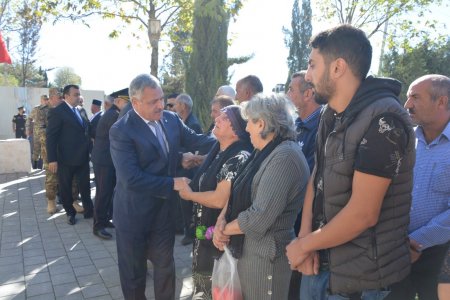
[[121, 94], [97, 102]]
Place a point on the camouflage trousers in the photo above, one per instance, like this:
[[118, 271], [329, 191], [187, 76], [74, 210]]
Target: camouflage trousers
[[51, 179], [37, 144]]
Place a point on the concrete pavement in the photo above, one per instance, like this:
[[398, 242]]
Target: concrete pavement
[[42, 257]]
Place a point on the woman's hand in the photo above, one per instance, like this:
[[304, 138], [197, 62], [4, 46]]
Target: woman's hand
[[185, 192], [180, 183], [219, 238]]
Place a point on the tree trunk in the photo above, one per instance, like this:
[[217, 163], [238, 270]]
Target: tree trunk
[[154, 61]]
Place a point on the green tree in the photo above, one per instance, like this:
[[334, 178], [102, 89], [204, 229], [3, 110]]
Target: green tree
[[406, 64], [65, 76], [29, 26], [171, 15], [297, 39], [208, 67], [372, 15]]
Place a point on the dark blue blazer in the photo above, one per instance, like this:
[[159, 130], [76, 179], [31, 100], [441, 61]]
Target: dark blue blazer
[[101, 154], [144, 176], [67, 140]]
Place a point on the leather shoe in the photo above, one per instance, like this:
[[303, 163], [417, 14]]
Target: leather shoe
[[71, 220], [110, 225], [187, 240], [89, 214], [103, 234]]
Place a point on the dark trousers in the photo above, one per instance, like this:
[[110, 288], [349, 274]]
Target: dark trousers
[[65, 176], [423, 277], [186, 208], [105, 181], [294, 286], [133, 250]]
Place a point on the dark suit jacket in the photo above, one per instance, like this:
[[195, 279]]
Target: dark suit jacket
[[94, 124], [101, 154], [144, 176], [193, 123], [67, 140]]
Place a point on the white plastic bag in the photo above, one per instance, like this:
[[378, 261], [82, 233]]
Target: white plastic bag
[[225, 278]]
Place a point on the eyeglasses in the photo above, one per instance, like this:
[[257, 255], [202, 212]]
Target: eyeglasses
[[169, 105]]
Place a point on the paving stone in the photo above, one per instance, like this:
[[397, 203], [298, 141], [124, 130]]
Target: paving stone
[[37, 278], [65, 278], [12, 288], [91, 279], [67, 290], [39, 289], [94, 290], [85, 270], [49, 296]]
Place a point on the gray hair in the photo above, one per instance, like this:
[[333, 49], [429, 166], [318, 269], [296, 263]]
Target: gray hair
[[140, 82], [304, 85], [276, 112], [185, 99], [223, 101], [226, 90], [440, 86]]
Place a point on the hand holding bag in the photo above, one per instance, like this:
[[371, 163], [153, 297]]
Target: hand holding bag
[[225, 278]]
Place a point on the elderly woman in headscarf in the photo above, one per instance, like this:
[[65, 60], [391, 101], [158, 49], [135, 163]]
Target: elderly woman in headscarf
[[266, 196], [210, 190]]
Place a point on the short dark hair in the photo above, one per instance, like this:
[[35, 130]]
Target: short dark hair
[[253, 83], [348, 43], [223, 101], [173, 95], [67, 88]]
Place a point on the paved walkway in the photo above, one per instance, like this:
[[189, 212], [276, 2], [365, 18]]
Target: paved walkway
[[42, 257]]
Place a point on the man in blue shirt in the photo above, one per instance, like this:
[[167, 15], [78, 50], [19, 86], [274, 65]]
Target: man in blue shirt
[[429, 230], [301, 95]]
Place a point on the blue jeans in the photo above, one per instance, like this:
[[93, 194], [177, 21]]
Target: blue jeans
[[314, 287]]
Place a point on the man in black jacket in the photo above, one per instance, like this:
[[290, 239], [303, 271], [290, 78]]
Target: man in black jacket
[[68, 151], [105, 173]]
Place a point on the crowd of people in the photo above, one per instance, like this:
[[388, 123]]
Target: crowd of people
[[332, 191]]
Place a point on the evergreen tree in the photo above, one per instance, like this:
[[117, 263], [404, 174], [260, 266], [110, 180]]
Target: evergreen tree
[[408, 64], [207, 68], [297, 39]]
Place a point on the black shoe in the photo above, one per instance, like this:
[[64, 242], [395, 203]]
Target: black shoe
[[71, 220], [187, 240], [89, 214], [103, 234], [110, 225]]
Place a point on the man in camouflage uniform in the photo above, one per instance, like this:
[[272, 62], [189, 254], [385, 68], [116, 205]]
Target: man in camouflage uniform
[[51, 179], [34, 128]]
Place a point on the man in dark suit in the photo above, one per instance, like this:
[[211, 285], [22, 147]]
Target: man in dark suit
[[183, 107], [145, 147], [68, 151], [105, 174], [96, 110]]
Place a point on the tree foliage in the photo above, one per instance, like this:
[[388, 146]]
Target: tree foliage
[[29, 27], [407, 64], [373, 15], [208, 66], [297, 39], [65, 76]]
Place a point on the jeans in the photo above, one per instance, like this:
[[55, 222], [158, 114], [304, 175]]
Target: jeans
[[314, 287]]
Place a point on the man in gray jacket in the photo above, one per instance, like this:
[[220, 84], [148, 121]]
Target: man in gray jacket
[[353, 241]]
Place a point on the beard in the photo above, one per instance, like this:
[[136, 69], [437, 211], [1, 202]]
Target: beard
[[324, 89]]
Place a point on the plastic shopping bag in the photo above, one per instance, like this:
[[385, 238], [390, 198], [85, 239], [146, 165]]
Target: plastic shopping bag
[[225, 278]]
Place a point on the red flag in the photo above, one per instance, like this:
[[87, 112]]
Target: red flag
[[4, 55]]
